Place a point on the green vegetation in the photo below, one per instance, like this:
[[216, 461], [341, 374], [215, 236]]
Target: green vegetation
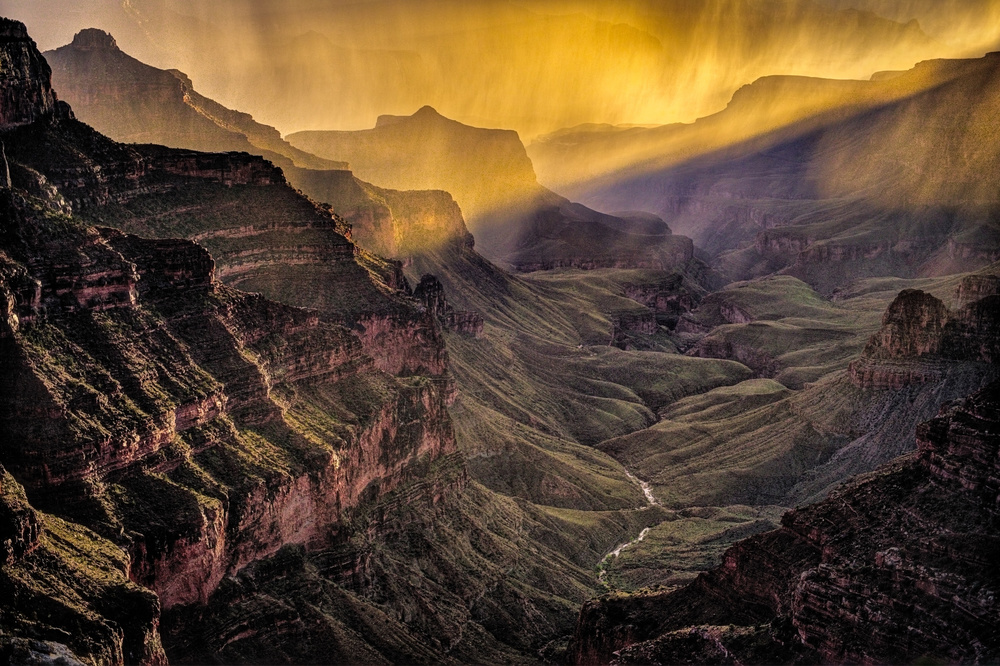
[[676, 550]]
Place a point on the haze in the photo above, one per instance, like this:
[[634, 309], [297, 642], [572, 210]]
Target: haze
[[530, 66]]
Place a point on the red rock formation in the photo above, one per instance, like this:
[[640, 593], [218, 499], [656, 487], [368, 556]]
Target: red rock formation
[[465, 322], [199, 427], [920, 338]]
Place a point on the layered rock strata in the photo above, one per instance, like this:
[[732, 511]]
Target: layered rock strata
[[920, 338], [194, 428], [430, 292]]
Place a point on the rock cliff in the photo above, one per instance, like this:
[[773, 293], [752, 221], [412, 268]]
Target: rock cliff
[[27, 92], [430, 292], [920, 337], [195, 428]]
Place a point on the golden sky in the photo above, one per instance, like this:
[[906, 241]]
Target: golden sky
[[529, 65]]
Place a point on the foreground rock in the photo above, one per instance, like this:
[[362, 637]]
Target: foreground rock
[[896, 566]]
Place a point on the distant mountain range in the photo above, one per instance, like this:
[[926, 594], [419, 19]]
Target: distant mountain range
[[136, 103], [865, 178], [321, 65], [515, 220]]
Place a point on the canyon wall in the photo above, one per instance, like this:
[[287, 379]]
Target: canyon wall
[[194, 428]]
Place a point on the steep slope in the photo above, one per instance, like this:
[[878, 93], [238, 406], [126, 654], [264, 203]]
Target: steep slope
[[184, 436], [135, 103], [855, 192], [530, 354], [515, 220], [571, 159], [896, 566]]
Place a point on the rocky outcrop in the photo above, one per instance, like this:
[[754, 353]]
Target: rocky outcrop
[[912, 326], [624, 325], [571, 236], [430, 292], [25, 87], [920, 337], [896, 566], [668, 298], [465, 322], [721, 346], [227, 169], [976, 287]]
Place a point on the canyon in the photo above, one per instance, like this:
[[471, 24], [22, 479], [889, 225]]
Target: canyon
[[233, 427], [297, 400]]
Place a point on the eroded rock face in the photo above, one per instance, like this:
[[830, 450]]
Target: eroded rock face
[[20, 525], [912, 326], [897, 566], [430, 292], [920, 337], [668, 299], [195, 427], [975, 287], [25, 87]]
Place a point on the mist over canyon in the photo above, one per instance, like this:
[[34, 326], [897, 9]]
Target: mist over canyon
[[571, 332]]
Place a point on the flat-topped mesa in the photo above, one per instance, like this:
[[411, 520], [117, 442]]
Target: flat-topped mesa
[[25, 78], [920, 338]]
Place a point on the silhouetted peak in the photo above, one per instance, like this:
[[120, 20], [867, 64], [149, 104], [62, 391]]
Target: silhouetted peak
[[25, 88], [10, 29], [425, 113], [92, 38]]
